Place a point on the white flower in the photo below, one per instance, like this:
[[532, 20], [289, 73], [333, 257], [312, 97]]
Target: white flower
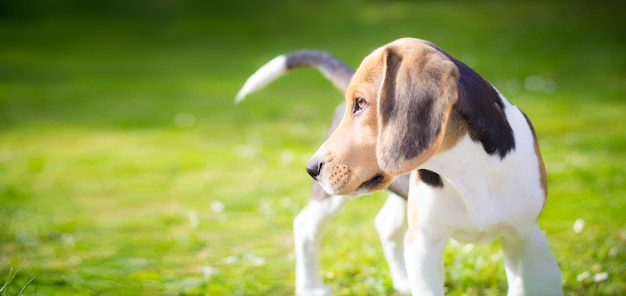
[[581, 277], [579, 224], [600, 277], [217, 206], [209, 271]]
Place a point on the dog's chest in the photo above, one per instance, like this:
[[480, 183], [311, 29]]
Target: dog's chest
[[486, 195]]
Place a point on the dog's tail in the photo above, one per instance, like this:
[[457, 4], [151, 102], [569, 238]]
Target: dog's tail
[[334, 69]]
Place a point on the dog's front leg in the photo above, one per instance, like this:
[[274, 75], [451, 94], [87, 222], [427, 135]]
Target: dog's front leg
[[423, 251], [424, 263], [307, 230], [391, 226]]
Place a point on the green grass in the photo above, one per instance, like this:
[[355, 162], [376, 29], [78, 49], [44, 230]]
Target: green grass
[[119, 142]]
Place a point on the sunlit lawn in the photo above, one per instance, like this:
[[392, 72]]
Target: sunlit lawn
[[125, 168]]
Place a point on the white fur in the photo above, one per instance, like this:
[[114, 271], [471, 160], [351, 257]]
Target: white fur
[[483, 198], [264, 75], [307, 230], [391, 226]]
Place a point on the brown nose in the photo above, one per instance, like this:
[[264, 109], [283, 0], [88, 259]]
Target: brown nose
[[314, 168]]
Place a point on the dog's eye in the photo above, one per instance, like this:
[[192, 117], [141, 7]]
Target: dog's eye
[[359, 104]]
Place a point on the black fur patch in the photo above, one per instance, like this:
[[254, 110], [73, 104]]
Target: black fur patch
[[482, 108], [431, 178]]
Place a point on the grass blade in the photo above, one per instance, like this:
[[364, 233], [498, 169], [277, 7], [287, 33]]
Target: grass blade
[[25, 286]]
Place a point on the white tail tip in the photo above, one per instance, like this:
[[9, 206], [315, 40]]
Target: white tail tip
[[268, 72]]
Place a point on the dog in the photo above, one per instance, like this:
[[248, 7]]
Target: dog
[[309, 224], [476, 172]]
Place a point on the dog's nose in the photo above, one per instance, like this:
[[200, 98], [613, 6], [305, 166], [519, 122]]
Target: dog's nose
[[314, 168]]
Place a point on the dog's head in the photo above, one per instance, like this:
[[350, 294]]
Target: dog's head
[[397, 108]]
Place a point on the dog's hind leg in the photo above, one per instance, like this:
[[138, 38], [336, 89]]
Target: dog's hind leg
[[307, 230], [530, 267], [391, 226]]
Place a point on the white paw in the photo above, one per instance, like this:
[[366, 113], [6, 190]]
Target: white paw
[[401, 283], [402, 286]]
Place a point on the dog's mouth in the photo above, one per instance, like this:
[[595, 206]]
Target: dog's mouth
[[373, 182]]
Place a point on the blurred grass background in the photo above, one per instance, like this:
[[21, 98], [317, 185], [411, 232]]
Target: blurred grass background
[[125, 168]]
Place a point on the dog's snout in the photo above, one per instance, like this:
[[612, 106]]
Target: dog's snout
[[314, 168]]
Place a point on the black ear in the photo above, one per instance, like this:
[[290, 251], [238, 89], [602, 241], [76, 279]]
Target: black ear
[[418, 88]]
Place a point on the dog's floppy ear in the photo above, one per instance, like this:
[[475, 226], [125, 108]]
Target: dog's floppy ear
[[418, 89]]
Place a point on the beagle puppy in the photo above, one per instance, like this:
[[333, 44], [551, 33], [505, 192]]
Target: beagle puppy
[[308, 226], [476, 172]]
